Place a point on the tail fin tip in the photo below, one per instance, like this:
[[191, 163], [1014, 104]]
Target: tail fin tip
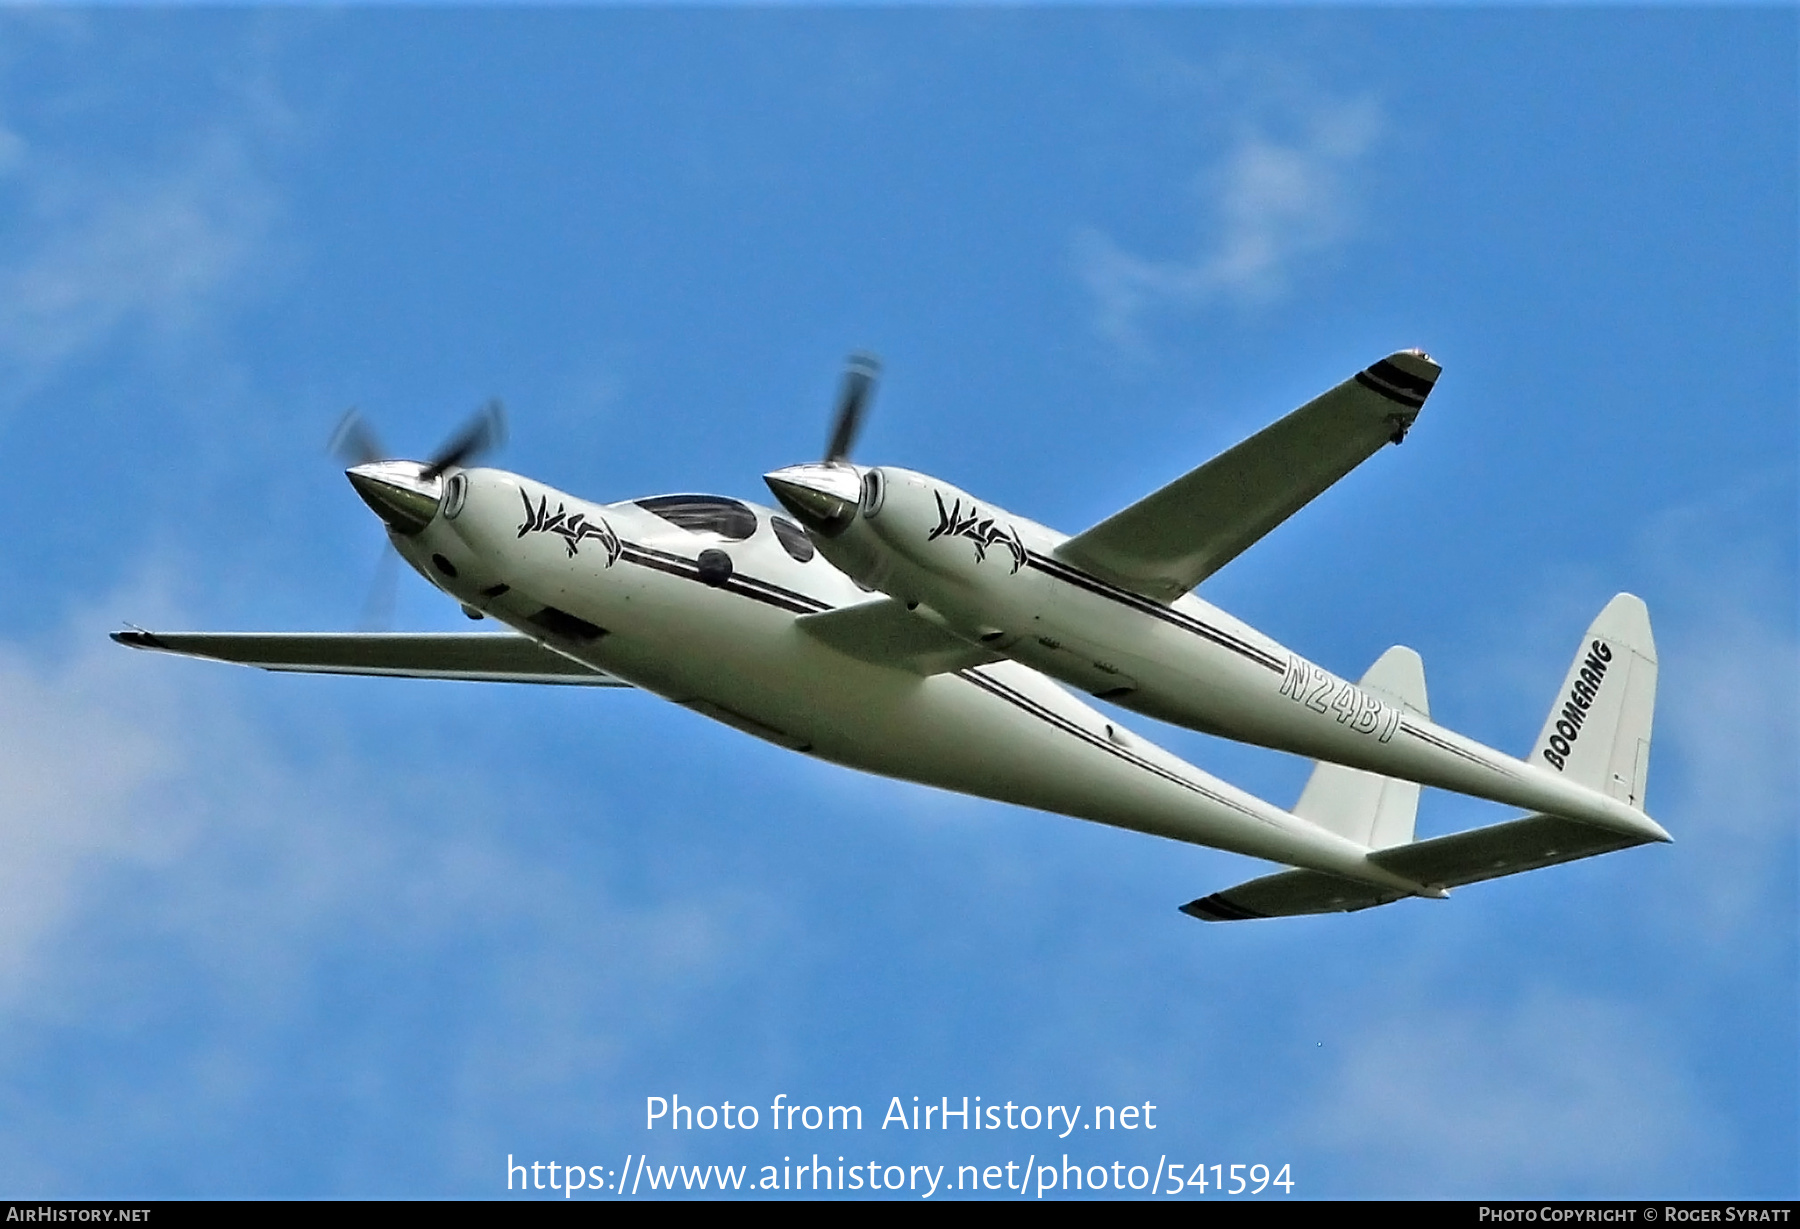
[[1598, 730]]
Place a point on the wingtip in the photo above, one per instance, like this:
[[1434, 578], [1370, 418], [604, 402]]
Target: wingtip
[[1418, 362], [1216, 908], [1405, 377]]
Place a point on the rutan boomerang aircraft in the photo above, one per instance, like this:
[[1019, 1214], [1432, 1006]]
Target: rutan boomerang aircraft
[[899, 625]]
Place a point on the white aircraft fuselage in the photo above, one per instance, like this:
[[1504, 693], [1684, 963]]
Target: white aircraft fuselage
[[914, 631], [623, 589], [994, 579]]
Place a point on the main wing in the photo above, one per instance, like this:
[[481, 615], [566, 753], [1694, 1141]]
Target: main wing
[[1170, 541], [483, 657]]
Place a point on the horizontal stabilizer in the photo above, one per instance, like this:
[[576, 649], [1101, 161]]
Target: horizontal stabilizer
[[1598, 731], [1171, 540], [1442, 862], [1371, 810], [885, 633], [482, 657]]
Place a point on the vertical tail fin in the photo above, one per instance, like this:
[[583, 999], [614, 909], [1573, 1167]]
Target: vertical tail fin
[[1598, 731], [1371, 810]]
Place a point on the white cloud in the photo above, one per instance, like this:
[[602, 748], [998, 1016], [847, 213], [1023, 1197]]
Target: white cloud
[[1728, 716], [106, 252], [168, 865], [1718, 574], [1562, 1093], [12, 151], [1281, 195], [1617, 1092], [76, 755], [107, 243]]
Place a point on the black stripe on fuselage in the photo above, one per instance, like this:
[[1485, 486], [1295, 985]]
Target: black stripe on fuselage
[[1070, 575], [771, 594], [1093, 584], [800, 603], [744, 586], [1432, 740], [1027, 705]]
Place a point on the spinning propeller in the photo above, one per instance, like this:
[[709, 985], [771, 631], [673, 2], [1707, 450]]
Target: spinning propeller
[[355, 443], [823, 496], [860, 374], [405, 494]]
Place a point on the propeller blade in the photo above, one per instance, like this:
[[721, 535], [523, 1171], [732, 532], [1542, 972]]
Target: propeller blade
[[378, 606], [354, 443], [853, 399], [485, 432]]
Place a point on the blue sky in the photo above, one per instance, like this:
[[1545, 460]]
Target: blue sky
[[272, 936]]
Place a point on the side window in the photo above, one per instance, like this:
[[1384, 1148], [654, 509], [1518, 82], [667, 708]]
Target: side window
[[793, 539], [704, 514]]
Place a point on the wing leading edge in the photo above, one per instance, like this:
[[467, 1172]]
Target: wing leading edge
[[482, 657], [1170, 541], [886, 633]]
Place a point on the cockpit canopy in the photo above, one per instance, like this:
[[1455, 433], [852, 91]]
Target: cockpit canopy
[[728, 518]]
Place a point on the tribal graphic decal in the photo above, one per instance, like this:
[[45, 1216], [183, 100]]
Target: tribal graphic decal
[[978, 529], [571, 529]]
